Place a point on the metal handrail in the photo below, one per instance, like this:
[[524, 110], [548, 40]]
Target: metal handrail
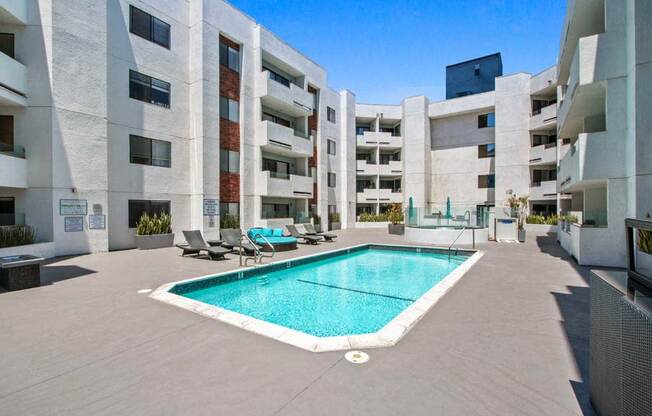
[[258, 255], [454, 241]]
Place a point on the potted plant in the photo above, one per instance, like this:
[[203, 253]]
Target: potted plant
[[334, 221], [518, 207], [316, 221], [395, 217], [154, 231]]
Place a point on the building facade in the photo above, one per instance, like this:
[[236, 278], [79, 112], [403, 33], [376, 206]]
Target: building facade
[[192, 108]]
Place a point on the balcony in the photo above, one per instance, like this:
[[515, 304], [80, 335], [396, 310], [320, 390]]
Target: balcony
[[382, 139], [546, 190], [283, 186], [13, 82], [394, 167], [13, 12], [278, 139], [363, 167], [546, 119], [543, 154], [591, 160], [13, 169], [379, 195], [292, 99]]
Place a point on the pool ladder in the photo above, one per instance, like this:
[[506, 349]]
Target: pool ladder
[[450, 246], [258, 254]]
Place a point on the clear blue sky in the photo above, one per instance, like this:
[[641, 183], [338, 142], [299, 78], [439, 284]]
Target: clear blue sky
[[386, 50]]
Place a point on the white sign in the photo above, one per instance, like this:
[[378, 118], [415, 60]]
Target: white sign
[[73, 224], [73, 207], [211, 207], [96, 222]]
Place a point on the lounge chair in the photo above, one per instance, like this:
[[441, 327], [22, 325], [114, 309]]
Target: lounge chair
[[271, 239], [308, 239], [197, 244], [232, 240], [310, 230]]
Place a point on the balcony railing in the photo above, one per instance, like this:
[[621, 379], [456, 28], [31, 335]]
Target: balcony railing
[[15, 151]]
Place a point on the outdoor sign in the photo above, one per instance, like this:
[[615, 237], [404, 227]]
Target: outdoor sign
[[73, 224], [96, 222], [211, 207], [73, 207]]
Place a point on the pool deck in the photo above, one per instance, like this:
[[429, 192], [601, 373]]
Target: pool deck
[[510, 338]]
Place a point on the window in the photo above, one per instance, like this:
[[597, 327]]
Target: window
[[486, 120], [229, 161], [331, 147], [566, 141], [6, 133], [359, 130], [151, 152], [330, 114], [229, 109], [275, 211], [276, 119], [332, 180], [7, 211], [148, 89], [149, 27], [486, 181], [277, 168], [229, 57], [486, 150], [476, 70], [7, 44], [139, 207], [275, 76]]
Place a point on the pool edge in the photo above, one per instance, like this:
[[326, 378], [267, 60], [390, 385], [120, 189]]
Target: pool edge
[[387, 336]]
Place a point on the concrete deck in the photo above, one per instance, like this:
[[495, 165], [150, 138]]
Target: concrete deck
[[511, 338]]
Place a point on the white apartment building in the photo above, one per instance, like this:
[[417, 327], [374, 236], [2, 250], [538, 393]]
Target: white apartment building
[[192, 108], [605, 72]]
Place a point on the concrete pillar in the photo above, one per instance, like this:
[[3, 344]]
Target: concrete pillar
[[417, 155]]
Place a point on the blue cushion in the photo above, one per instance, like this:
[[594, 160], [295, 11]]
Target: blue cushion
[[267, 232], [276, 240], [277, 232], [254, 232]]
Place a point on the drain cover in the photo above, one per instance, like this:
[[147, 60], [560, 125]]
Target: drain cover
[[357, 357]]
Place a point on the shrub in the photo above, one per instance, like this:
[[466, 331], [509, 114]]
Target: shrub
[[645, 241], [155, 224], [552, 220], [369, 217], [229, 221], [316, 219], [334, 217], [569, 218], [395, 214], [535, 219], [16, 235]]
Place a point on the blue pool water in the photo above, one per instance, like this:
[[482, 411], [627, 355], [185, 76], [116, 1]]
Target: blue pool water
[[354, 293]]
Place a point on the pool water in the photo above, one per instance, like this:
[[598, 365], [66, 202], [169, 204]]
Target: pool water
[[348, 294]]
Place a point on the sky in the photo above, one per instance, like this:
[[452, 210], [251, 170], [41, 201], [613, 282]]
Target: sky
[[386, 50]]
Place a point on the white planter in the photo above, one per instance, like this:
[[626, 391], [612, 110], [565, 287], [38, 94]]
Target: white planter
[[45, 250], [148, 242]]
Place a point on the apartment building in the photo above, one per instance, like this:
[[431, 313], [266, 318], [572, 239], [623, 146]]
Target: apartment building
[[192, 108], [185, 107], [604, 83]]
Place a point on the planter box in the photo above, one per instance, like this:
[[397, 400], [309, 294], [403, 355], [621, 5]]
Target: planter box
[[396, 229], [335, 226], [521, 236], [148, 242], [45, 250]]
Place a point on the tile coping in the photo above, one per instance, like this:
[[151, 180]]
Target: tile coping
[[387, 336]]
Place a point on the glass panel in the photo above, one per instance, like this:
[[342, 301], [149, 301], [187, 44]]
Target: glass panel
[[234, 161], [139, 150], [224, 108], [161, 153], [491, 150], [136, 210], [7, 44], [234, 59], [161, 33], [224, 160], [140, 23], [139, 86], [6, 133], [160, 92], [224, 55], [234, 110]]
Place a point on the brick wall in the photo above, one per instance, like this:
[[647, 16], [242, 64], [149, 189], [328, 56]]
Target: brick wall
[[229, 187], [229, 135]]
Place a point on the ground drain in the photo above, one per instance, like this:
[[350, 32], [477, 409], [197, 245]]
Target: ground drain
[[357, 357], [144, 291]]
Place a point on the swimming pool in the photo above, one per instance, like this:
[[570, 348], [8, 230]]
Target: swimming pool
[[334, 299]]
